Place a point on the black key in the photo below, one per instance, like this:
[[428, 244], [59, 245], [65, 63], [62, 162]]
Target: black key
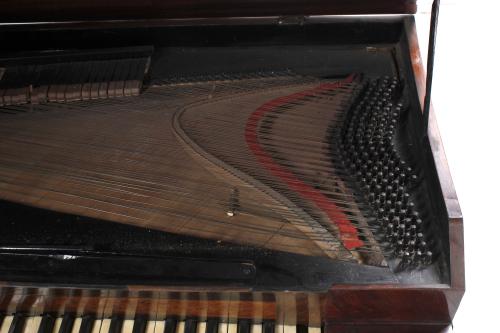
[[2, 316], [268, 326], [302, 329], [244, 326], [116, 324], [18, 323], [67, 323], [212, 325], [190, 326], [87, 324], [170, 325], [47, 323], [140, 323]]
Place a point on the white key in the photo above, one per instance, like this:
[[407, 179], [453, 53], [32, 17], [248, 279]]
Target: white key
[[232, 328], [159, 326], [7, 321], [76, 325], [105, 324], [150, 327], [222, 328], [314, 329], [289, 329], [96, 328], [128, 326], [202, 327], [57, 325], [180, 327], [31, 325], [256, 328], [279, 328]]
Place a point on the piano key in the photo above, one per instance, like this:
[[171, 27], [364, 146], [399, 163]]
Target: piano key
[[87, 324], [222, 327], [2, 315], [256, 328], [180, 327], [57, 325], [170, 325], [96, 327], [279, 328], [190, 326], [232, 328], [18, 323], [302, 329], [116, 324], [150, 326], [289, 329], [67, 323], [76, 325], [47, 324], [105, 325], [159, 326], [212, 325], [268, 326], [201, 327], [314, 329], [244, 326], [128, 326], [140, 324], [7, 321], [32, 324]]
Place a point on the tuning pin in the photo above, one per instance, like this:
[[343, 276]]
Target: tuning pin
[[388, 204], [384, 222], [401, 230], [428, 257], [389, 229], [396, 221], [399, 246], [405, 197], [412, 245], [418, 223], [420, 238]]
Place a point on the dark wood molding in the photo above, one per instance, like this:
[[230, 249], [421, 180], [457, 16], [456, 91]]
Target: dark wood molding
[[91, 10]]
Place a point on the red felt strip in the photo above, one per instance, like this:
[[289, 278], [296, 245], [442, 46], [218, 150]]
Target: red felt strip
[[348, 232]]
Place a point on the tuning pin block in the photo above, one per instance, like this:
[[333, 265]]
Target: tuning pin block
[[368, 143]]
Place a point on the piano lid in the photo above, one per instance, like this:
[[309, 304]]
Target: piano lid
[[30, 11]]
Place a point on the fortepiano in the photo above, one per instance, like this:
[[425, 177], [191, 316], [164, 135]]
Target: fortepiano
[[222, 167]]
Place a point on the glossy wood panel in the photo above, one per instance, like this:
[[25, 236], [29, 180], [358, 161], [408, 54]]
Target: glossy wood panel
[[455, 226]]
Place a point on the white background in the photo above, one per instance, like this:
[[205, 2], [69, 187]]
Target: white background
[[466, 98]]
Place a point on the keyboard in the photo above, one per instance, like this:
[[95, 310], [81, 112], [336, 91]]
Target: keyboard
[[70, 323]]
